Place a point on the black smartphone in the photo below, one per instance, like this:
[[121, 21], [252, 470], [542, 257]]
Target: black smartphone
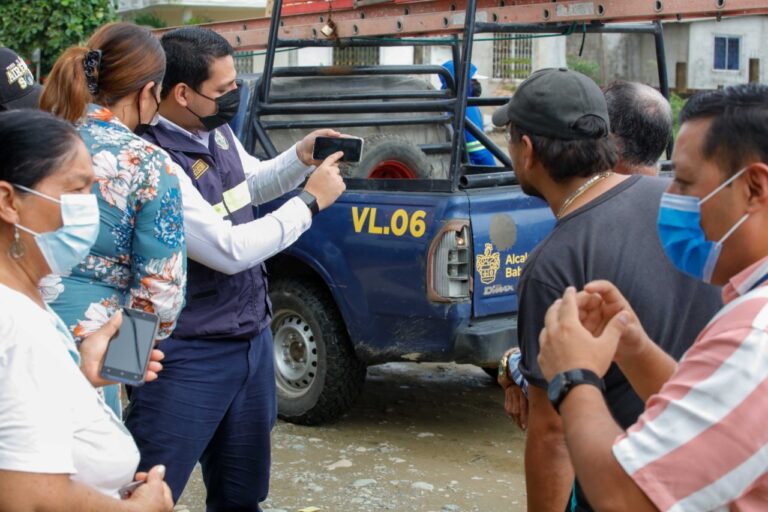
[[326, 146], [128, 353]]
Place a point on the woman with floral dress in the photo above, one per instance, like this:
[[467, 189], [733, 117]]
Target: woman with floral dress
[[110, 89]]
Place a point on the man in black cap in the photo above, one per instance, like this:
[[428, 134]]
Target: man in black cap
[[17, 85], [558, 127]]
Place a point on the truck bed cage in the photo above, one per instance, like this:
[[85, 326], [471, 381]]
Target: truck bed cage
[[381, 23]]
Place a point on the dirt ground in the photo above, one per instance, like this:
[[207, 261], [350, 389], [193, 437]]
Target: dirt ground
[[422, 437]]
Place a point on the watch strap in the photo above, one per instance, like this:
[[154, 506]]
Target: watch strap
[[311, 201], [563, 383]]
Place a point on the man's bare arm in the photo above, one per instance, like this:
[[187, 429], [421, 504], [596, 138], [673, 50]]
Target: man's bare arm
[[548, 470], [590, 431]]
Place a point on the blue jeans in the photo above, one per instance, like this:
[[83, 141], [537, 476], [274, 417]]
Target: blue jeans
[[214, 402]]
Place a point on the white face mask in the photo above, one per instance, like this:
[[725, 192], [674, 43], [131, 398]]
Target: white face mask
[[71, 243]]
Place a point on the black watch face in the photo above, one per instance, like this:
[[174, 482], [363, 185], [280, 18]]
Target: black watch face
[[555, 387]]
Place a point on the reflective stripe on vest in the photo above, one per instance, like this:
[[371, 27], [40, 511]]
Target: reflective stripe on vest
[[474, 146], [234, 199]]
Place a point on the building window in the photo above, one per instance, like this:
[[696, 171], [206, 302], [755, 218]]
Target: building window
[[727, 53], [356, 56], [512, 58]]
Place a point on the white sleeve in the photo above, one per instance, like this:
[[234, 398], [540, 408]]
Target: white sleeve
[[226, 248], [270, 179], [36, 424]]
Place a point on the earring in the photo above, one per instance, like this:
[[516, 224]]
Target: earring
[[16, 251]]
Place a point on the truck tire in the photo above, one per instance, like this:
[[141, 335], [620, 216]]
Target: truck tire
[[317, 374], [392, 157]]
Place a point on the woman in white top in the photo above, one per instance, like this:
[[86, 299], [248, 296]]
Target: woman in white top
[[61, 448]]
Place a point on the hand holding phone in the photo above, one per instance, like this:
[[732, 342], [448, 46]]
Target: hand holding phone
[[126, 491], [326, 183], [149, 491], [128, 353], [352, 147]]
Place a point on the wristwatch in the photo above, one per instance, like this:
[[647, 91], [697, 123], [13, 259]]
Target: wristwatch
[[311, 202], [563, 383]]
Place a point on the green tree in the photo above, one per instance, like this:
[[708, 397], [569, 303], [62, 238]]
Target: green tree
[[677, 103], [51, 25], [584, 66], [148, 19]]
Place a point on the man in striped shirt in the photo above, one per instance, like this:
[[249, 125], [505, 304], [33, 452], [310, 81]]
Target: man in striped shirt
[[702, 442]]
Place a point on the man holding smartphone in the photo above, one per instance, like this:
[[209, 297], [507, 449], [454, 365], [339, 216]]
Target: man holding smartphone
[[216, 399]]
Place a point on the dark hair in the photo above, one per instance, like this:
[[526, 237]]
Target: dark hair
[[578, 158], [641, 120], [190, 52], [24, 162], [739, 131], [131, 57]]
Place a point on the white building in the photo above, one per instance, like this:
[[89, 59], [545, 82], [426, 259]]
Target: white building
[[178, 12], [720, 53]]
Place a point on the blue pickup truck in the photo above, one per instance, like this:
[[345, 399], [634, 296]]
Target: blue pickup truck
[[405, 269], [420, 258]]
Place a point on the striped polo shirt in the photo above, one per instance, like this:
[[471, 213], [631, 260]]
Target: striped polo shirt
[[702, 442]]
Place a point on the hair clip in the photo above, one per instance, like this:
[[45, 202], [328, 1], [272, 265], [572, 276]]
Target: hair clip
[[91, 65]]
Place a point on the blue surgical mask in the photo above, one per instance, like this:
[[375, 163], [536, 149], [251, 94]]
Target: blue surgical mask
[[71, 243], [682, 237]]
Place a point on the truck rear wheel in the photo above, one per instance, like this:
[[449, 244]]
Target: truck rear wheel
[[388, 157], [317, 374]]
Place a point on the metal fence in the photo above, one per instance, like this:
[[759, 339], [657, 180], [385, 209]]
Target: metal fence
[[244, 62], [512, 58], [356, 56]]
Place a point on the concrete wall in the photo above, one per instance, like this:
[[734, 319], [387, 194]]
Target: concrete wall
[[631, 56], [549, 52]]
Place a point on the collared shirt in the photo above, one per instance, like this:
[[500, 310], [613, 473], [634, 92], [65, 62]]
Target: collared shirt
[[702, 442], [215, 242]]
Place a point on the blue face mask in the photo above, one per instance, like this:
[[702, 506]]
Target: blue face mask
[[682, 237], [71, 243]]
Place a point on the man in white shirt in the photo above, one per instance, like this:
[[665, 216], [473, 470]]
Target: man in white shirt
[[216, 399]]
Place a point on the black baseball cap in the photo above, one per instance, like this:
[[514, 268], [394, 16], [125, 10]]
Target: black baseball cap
[[17, 85], [551, 101]]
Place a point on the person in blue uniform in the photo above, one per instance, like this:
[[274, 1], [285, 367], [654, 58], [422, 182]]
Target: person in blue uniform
[[216, 400], [478, 154]]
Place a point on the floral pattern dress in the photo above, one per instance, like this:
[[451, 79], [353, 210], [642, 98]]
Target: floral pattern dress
[[139, 258]]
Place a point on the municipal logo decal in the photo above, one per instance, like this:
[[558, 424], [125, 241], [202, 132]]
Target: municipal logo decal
[[221, 141], [488, 264]]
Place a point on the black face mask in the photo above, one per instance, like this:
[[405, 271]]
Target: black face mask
[[475, 88], [226, 108], [142, 128]]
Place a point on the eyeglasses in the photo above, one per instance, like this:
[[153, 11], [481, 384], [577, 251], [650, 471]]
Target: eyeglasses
[[508, 133]]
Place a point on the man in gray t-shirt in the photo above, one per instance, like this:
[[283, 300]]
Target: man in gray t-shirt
[[606, 229], [614, 237]]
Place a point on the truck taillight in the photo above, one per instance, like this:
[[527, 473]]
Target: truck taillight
[[449, 270]]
